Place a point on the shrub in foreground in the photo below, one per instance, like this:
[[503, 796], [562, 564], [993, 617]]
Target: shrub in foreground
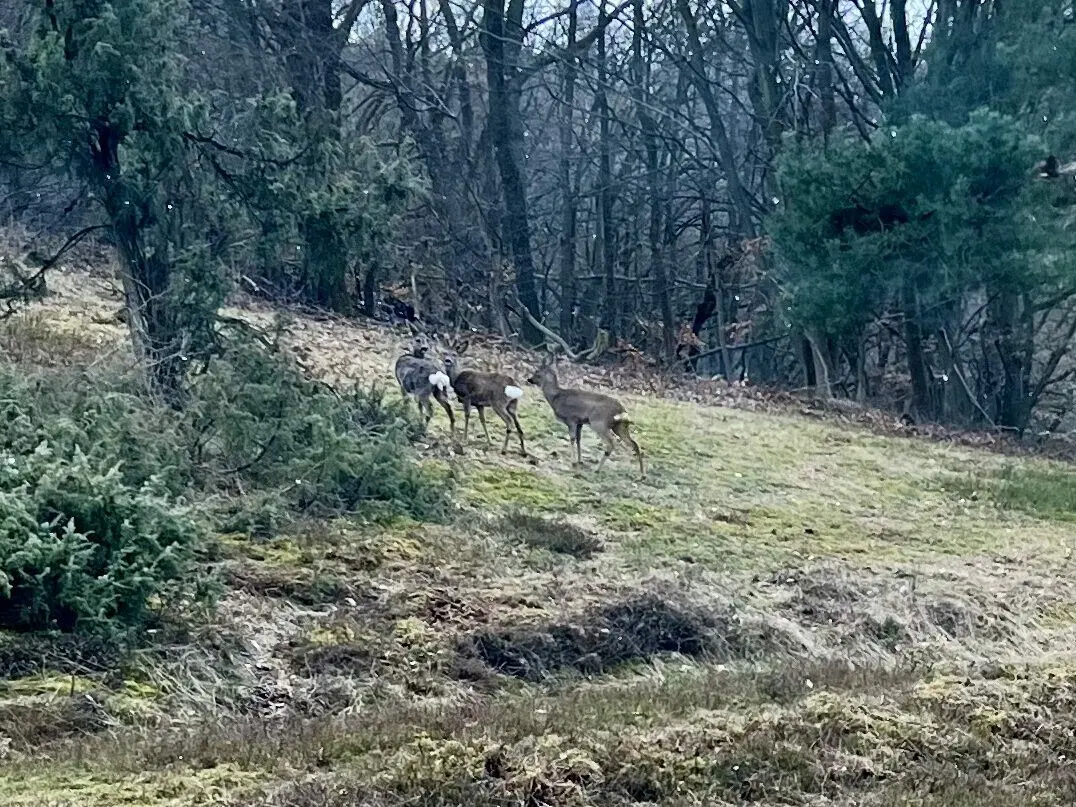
[[80, 549], [256, 418], [94, 537]]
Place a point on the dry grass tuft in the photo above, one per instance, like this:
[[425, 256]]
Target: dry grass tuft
[[603, 638], [554, 534]]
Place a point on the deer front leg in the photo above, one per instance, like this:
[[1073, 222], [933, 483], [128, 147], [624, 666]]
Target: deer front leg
[[575, 433]]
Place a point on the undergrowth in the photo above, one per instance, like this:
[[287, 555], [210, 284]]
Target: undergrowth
[[303, 447], [97, 531]]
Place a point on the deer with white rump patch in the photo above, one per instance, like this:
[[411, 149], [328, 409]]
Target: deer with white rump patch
[[576, 407], [477, 389], [421, 378]]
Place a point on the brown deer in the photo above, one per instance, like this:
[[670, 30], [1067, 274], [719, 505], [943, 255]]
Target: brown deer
[[477, 389], [575, 407], [421, 378]]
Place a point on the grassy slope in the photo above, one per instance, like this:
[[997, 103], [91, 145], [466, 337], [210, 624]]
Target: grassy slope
[[879, 632]]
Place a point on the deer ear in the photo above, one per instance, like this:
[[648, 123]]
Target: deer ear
[[466, 343]]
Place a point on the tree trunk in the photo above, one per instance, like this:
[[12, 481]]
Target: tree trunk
[[824, 69], [501, 36], [1010, 320], [640, 91], [568, 198], [611, 307], [913, 343]]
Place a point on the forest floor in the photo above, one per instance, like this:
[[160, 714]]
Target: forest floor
[[790, 609]]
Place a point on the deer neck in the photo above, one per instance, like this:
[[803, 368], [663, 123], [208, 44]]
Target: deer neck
[[550, 387]]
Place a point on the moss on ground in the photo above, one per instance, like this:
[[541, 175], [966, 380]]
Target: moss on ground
[[89, 788]]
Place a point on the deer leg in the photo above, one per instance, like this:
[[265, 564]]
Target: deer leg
[[441, 399], [466, 418], [519, 429], [426, 408], [578, 443], [610, 444], [482, 420], [621, 431], [503, 415]]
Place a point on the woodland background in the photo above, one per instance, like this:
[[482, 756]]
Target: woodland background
[[832, 194]]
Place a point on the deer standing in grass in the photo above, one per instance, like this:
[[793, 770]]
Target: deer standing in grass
[[421, 378], [477, 389], [576, 407]]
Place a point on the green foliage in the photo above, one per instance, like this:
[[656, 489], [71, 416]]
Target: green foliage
[[255, 417], [91, 537], [80, 549], [1015, 58], [99, 90], [963, 190], [106, 418], [327, 204]]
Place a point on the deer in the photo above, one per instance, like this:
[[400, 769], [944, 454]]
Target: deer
[[604, 414], [421, 378], [479, 390]]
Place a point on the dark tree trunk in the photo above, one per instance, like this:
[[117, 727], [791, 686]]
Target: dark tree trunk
[[659, 279], [1010, 321], [913, 342], [611, 307], [501, 36], [568, 198], [824, 70]]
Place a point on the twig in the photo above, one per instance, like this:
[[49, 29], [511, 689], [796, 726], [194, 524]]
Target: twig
[[517, 303]]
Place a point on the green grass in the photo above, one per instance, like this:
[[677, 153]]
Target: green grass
[[732, 489], [1040, 490]]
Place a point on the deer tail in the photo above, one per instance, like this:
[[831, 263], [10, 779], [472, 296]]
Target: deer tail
[[515, 393], [440, 381], [621, 418]]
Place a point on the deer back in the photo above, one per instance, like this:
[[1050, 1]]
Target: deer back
[[481, 388], [414, 373], [585, 406]]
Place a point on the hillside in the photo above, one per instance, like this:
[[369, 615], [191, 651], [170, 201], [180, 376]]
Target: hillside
[[787, 610]]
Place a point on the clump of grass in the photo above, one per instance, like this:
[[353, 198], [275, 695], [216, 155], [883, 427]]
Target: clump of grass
[[1041, 491], [554, 534]]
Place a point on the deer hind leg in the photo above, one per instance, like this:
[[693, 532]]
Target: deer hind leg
[[482, 420], [606, 435], [443, 400], [466, 418], [425, 408], [577, 438], [503, 415], [519, 429], [622, 431]]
